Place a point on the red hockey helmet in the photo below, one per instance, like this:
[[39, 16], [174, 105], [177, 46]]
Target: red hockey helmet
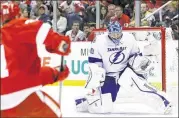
[[9, 11]]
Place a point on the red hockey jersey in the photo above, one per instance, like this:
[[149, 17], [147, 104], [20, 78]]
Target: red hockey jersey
[[21, 67]]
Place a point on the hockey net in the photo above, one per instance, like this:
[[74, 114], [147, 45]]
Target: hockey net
[[157, 44]]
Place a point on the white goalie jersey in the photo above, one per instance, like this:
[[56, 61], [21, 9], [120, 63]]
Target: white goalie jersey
[[111, 56]]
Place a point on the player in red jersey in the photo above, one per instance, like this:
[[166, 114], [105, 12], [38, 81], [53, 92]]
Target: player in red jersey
[[22, 76], [123, 19]]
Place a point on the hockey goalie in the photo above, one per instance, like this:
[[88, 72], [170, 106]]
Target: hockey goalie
[[22, 76], [116, 62]]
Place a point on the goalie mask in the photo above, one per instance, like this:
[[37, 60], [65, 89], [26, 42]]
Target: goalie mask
[[114, 30]]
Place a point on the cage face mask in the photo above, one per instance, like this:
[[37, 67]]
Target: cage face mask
[[114, 30]]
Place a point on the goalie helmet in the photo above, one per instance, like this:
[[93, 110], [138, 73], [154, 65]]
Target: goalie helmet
[[114, 29]]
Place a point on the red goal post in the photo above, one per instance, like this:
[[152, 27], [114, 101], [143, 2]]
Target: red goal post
[[142, 34]]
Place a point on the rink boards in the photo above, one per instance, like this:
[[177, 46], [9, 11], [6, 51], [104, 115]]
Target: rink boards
[[77, 62]]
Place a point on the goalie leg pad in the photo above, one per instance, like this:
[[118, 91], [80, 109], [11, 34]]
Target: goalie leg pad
[[96, 76], [99, 103], [151, 96], [142, 90], [81, 104]]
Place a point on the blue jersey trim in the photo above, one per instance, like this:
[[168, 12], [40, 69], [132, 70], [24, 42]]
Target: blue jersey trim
[[94, 60]]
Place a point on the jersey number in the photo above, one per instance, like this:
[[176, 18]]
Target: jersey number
[[4, 70]]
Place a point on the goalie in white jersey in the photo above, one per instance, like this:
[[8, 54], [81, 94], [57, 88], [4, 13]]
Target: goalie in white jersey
[[115, 62]]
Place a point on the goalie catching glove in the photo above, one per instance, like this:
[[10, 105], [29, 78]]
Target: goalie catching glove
[[140, 64]]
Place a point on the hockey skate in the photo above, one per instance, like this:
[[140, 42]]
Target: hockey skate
[[168, 109]]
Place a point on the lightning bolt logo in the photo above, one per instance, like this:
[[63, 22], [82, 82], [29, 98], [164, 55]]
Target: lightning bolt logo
[[116, 56]]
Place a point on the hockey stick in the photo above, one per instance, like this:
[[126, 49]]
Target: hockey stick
[[62, 58], [61, 83], [60, 68]]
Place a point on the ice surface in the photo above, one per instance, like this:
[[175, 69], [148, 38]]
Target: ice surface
[[120, 109]]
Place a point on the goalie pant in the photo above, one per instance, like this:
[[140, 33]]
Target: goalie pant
[[137, 86], [38, 104]]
